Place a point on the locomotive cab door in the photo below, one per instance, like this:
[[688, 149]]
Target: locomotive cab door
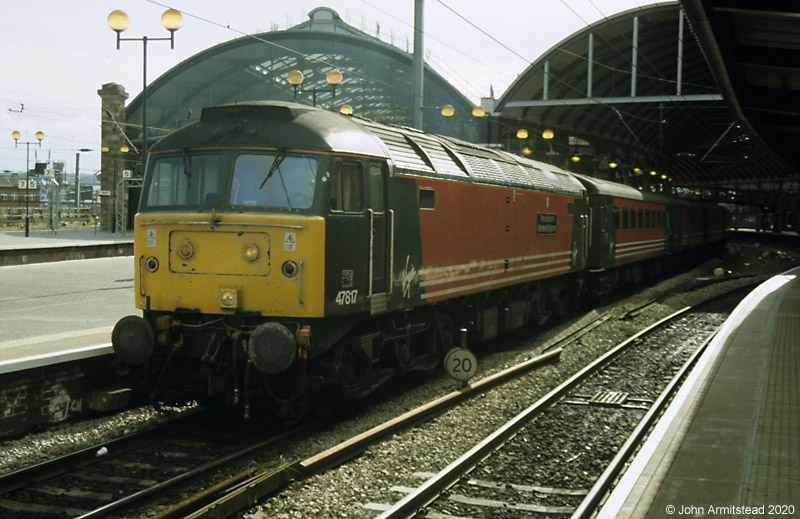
[[347, 251], [379, 238]]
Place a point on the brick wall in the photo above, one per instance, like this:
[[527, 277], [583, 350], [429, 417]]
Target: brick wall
[[43, 396]]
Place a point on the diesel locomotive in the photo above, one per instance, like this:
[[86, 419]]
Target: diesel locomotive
[[286, 253]]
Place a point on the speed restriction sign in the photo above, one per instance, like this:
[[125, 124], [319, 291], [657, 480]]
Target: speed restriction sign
[[461, 364]]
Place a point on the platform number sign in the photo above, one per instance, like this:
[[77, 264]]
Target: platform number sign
[[461, 364]]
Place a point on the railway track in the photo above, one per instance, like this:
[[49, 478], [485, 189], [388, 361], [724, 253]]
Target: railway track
[[116, 477], [245, 487], [87, 484], [244, 492], [562, 453]]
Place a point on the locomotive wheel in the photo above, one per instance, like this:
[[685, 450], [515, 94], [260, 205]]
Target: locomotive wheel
[[402, 354], [348, 378]]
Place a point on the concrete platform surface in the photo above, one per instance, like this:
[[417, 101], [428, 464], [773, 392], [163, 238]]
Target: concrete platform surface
[[57, 306]]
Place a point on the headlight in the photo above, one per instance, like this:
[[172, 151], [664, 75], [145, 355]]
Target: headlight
[[185, 249], [251, 252], [228, 297], [289, 269], [151, 264]]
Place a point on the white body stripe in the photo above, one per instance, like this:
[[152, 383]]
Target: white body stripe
[[520, 268], [638, 248]]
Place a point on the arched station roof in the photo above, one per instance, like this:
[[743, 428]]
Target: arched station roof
[[636, 89], [376, 79], [753, 49]]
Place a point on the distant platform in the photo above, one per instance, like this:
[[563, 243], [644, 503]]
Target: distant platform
[[66, 244]]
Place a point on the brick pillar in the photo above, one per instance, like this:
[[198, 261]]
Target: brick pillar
[[112, 162]]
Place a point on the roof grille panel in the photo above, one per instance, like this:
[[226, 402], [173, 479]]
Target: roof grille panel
[[404, 155], [514, 173], [484, 169]]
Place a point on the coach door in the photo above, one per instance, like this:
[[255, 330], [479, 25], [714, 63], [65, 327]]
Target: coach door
[[378, 233]]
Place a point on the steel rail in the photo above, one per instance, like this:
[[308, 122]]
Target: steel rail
[[143, 495], [589, 504], [245, 492], [60, 464], [431, 489]]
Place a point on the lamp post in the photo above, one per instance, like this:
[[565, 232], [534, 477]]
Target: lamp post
[[112, 206], [522, 135], [172, 21], [333, 78], [78, 178], [39, 137]]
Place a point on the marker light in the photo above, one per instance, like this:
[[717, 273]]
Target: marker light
[[185, 249], [251, 252]]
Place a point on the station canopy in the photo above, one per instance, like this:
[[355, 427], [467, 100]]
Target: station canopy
[[633, 96], [375, 79]]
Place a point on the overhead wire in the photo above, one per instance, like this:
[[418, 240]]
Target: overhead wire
[[617, 111], [663, 79], [442, 42], [282, 47], [308, 57], [330, 63]]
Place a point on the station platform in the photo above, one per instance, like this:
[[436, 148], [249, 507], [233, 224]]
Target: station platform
[[42, 246], [61, 296], [729, 444], [40, 239], [55, 310]]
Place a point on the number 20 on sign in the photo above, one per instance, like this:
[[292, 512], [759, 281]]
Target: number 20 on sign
[[461, 364]]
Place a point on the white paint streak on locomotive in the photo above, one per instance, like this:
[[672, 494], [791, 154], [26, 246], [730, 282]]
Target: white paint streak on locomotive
[[407, 277]]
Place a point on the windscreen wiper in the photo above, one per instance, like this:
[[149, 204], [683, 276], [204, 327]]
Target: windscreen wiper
[[274, 167], [187, 167]]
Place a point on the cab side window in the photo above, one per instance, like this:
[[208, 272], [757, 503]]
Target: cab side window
[[347, 187], [376, 189]]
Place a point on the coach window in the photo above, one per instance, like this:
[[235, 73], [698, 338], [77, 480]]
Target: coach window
[[615, 215], [347, 187], [647, 218], [633, 218], [624, 217]]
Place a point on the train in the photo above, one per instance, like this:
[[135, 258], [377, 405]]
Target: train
[[289, 254]]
